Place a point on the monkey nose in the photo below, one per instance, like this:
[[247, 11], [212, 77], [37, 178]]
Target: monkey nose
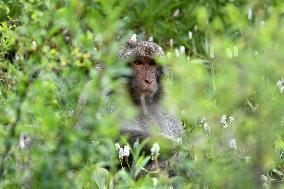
[[148, 81]]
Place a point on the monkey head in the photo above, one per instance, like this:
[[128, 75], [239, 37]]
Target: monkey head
[[144, 84]]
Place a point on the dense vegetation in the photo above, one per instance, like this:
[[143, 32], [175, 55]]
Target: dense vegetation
[[224, 80]]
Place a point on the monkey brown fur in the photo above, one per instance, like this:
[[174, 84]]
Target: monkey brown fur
[[145, 90]]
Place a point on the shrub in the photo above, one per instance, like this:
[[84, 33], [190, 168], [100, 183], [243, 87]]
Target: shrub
[[225, 81]]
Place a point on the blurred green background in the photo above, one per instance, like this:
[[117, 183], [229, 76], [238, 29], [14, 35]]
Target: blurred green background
[[224, 80]]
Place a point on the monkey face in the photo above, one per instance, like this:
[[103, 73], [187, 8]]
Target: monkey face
[[145, 81]]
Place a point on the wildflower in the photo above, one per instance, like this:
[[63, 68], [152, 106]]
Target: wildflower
[[223, 121], [177, 52], [155, 149], [262, 23], [182, 49], [229, 53], [280, 85], [233, 144], [203, 120], [126, 151], [25, 141], [231, 119], [121, 153], [179, 141], [171, 42], [249, 14], [205, 125], [155, 181], [133, 37], [34, 44], [236, 51], [176, 13], [151, 39], [117, 146], [17, 57], [189, 35]]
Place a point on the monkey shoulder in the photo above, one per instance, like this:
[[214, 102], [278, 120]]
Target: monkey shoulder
[[171, 125], [166, 123]]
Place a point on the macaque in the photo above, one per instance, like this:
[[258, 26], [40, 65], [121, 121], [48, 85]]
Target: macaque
[[145, 91]]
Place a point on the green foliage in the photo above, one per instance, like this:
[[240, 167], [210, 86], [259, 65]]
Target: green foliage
[[227, 88]]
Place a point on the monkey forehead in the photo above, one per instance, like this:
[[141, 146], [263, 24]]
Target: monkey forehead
[[140, 48]]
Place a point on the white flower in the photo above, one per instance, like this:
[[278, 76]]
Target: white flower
[[233, 144], [176, 13], [280, 85], [126, 151], [249, 14], [182, 49], [121, 153], [171, 42], [262, 23], [133, 37], [155, 149], [229, 53], [236, 51], [206, 127], [151, 38], [17, 57], [189, 35], [223, 121], [177, 52], [203, 120], [231, 120], [34, 44], [25, 141], [282, 89], [179, 141], [155, 181], [117, 146]]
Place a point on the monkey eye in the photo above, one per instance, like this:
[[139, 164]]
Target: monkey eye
[[152, 63], [138, 62]]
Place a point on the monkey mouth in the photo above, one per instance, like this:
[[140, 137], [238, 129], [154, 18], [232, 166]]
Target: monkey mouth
[[148, 92]]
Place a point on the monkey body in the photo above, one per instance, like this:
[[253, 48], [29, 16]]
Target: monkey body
[[156, 121], [145, 90], [157, 126]]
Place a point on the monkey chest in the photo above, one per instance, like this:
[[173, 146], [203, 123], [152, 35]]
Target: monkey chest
[[161, 123]]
